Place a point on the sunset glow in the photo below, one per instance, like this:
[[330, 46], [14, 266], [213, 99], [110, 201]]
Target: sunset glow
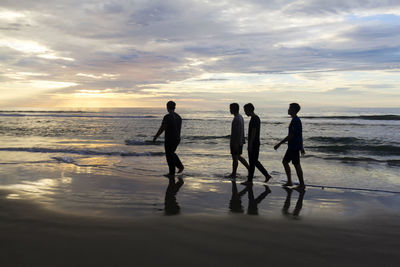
[[142, 53]]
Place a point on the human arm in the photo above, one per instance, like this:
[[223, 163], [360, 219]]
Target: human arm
[[159, 132], [235, 133], [302, 151], [287, 138], [294, 135]]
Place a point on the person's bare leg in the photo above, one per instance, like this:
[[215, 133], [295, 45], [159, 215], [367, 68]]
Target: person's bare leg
[[288, 173], [249, 180], [299, 172], [244, 162], [234, 166]]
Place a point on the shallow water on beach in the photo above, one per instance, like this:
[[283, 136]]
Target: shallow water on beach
[[103, 161]]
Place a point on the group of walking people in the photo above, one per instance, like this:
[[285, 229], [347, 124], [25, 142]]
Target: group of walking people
[[172, 124]]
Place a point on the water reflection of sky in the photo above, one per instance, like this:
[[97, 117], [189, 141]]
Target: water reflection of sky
[[43, 190], [83, 190], [133, 186]]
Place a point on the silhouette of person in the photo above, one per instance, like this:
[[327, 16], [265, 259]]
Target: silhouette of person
[[286, 205], [237, 139], [171, 124], [171, 206], [295, 146], [235, 204], [299, 203], [253, 202], [253, 145]]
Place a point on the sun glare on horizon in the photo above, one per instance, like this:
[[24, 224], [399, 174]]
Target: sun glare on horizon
[[202, 53]]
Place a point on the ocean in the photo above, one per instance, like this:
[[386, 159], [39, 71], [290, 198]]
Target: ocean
[[102, 161]]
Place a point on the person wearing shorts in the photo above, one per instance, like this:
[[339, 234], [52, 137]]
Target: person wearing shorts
[[295, 147]]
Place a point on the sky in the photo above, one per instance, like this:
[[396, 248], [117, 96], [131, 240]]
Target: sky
[[203, 54]]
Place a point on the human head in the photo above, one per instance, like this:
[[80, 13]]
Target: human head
[[234, 108], [171, 105], [248, 109], [294, 108]]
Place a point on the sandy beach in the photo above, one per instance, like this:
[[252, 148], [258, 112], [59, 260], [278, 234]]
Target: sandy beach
[[199, 133], [87, 189], [32, 235]]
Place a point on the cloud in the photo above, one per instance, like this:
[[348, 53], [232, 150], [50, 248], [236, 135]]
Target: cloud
[[322, 8], [344, 91], [194, 48]]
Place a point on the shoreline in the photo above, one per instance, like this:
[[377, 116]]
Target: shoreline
[[137, 196], [34, 236]]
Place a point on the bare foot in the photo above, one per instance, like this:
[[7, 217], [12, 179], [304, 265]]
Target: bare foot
[[267, 190], [288, 190], [247, 183], [267, 178], [300, 188], [181, 170], [169, 176], [232, 176], [287, 184]]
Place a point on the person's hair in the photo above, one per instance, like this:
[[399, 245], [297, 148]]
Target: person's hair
[[171, 105], [249, 107], [296, 107], [234, 107]]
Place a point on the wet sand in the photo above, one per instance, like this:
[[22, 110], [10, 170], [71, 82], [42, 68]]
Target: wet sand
[[34, 236]]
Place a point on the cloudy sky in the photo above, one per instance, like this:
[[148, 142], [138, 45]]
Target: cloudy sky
[[138, 53]]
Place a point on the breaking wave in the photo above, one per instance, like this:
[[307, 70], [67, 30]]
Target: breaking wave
[[381, 150], [361, 117]]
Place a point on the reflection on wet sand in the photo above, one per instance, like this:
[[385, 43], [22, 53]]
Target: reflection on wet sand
[[299, 203], [235, 204], [40, 190], [253, 202], [171, 206]]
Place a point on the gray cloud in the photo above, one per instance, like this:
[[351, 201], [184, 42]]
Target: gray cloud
[[344, 91], [155, 42], [321, 7]]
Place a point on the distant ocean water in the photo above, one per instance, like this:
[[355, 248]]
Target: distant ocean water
[[344, 147]]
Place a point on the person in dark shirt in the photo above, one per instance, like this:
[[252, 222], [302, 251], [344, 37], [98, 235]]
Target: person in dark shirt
[[253, 146], [171, 206], [171, 124], [295, 146]]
